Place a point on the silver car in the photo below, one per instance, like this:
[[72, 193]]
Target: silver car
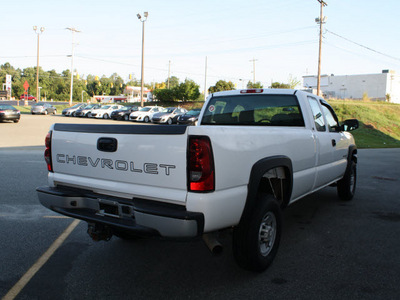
[[43, 109]]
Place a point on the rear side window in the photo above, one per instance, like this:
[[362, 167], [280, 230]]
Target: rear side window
[[260, 110]]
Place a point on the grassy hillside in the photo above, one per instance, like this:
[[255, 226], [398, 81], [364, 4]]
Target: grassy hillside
[[379, 122]]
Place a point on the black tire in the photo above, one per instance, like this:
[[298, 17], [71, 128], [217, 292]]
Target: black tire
[[124, 235], [126, 117], [16, 120], [73, 114], [346, 187], [169, 121], [105, 116], [46, 112], [146, 119], [256, 239]]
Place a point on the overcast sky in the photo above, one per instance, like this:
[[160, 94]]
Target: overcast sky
[[362, 37]]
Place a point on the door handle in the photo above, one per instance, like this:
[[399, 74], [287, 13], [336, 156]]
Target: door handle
[[107, 144], [333, 143]]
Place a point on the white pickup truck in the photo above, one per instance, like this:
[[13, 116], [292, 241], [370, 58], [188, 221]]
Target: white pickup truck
[[252, 153]]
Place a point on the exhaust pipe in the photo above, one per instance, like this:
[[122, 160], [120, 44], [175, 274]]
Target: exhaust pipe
[[211, 241], [99, 232]]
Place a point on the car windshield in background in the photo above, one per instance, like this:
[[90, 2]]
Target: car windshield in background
[[170, 110], [76, 106], [259, 110], [7, 107], [145, 109], [194, 112], [105, 107]]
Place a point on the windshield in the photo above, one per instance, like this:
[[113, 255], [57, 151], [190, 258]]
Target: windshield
[[260, 110], [170, 110], [105, 107], [194, 112], [76, 106], [5, 107], [145, 109]]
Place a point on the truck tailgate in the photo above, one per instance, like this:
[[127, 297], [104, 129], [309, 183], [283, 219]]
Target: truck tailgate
[[134, 160]]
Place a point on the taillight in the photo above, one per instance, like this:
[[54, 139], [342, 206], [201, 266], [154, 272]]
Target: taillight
[[251, 91], [201, 174], [47, 152]]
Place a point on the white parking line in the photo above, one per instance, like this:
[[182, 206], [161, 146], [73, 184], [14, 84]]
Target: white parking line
[[17, 288]]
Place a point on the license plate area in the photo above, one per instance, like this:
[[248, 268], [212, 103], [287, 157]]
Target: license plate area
[[114, 209]]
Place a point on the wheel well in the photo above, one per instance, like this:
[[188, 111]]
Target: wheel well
[[275, 182]]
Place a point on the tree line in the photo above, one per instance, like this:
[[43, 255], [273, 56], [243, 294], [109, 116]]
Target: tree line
[[56, 86]]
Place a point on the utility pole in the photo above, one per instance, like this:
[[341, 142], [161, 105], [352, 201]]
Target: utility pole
[[320, 21], [142, 79], [254, 69], [38, 32], [205, 82], [73, 30], [169, 72]]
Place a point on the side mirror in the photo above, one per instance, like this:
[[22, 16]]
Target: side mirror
[[349, 125]]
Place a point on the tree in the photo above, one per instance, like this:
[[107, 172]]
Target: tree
[[278, 85], [173, 82], [221, 85], [187, 90], [293, 82], [164, 95], [256, 85]]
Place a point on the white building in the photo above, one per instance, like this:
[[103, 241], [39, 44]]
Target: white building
[[376, 86]]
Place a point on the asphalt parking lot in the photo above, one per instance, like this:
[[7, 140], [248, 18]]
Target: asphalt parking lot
[[329, 250]]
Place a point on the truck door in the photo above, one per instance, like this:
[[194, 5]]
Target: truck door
[[324, 146], [339, 150]]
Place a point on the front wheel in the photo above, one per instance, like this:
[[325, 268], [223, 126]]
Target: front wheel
[[146, 119], [256, 239], [169, 121], [105, 116], [346, 187], [126, 117]]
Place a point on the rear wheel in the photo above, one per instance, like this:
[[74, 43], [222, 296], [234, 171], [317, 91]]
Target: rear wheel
[[46, 112], [169, 121], [105, 116], [256, 239], [126, 117], [346, 187], [146, 119]]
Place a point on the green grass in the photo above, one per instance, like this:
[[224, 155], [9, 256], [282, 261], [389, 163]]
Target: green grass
[[379, 122]]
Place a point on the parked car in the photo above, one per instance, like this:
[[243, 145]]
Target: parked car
[[85, 111], [104, 111], [123, 113], [28, 97], [190, 117], [43, 109], [70, 111], [168, 115], [8, 112], [144, 114]]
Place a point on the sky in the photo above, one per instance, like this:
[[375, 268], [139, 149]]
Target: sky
[[269, 40]]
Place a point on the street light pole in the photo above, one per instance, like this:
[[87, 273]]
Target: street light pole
[[142, 81], [73, 30], [320, 20], [38, 32]]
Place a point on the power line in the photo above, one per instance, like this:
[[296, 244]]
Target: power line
[[358, 44]]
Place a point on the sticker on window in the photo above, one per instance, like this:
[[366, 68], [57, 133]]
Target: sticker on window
[[211, 108]]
